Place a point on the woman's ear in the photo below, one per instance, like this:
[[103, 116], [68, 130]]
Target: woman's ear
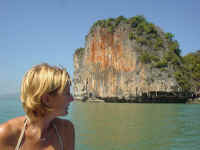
[[46, 100]]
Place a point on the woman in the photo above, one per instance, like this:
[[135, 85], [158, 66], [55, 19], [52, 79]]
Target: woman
[[45, 95]]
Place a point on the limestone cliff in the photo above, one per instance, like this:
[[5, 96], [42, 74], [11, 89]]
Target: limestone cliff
[[123, 58]]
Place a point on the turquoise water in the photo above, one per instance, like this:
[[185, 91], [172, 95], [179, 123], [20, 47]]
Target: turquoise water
[[127, 126]]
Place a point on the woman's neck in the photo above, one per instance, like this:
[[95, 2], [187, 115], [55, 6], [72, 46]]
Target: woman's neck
[[39, 127]]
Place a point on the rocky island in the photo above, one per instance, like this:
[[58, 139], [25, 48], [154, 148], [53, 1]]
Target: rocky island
[[129, 58]]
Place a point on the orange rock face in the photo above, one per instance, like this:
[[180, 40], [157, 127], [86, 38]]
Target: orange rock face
[[107, 50]]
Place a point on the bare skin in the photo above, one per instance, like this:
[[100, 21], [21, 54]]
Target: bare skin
[[10, 132], [41, 127]]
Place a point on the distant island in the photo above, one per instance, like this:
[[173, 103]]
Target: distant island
[[126, 59]]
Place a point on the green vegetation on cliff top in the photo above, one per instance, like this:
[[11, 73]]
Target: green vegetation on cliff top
[[79, 52], [188, 76]]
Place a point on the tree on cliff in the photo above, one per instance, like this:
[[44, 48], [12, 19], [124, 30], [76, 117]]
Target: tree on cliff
[[190, 73]]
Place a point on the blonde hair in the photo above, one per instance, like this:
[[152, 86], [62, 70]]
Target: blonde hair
[[39, 80]]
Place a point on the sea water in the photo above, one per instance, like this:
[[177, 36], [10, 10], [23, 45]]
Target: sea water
[[112, 126]]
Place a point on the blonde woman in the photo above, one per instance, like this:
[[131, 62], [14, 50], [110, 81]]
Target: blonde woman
[[45, 95]]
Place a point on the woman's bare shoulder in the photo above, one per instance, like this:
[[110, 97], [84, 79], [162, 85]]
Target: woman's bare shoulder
[[68, 133], [10, 129], [65, 124]]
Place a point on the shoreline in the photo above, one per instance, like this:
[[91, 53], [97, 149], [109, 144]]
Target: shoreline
[[97, 100], [148, 97]]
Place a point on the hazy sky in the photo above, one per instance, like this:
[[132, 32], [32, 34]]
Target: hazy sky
[[36, 31]]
